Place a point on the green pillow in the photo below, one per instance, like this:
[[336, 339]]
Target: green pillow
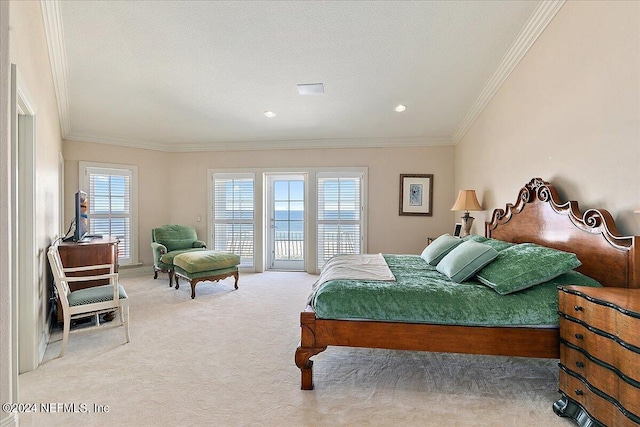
[[525, 265], [465, 260], [439, 248], [496, 244], [475, 237]]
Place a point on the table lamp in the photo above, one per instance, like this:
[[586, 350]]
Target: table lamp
[[467, 201]]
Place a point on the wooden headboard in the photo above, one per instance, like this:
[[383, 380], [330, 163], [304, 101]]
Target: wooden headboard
[[539, 217]]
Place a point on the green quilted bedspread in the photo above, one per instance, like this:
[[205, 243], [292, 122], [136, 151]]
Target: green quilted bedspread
[[420, 294]]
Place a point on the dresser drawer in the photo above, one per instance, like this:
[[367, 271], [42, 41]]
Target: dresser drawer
[[603, 378], [607, 413], [599, 355], [576, 306], [601, 347], [601, 316]]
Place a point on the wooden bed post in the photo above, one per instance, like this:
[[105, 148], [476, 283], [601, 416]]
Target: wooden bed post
[[307, 349]]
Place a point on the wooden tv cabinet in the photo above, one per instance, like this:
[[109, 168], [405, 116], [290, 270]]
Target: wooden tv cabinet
[[79, 254]]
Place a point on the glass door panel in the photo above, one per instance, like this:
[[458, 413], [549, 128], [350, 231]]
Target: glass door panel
[[287, 222]]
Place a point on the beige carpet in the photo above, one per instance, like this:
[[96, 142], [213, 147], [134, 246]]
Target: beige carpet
[[227, 359]]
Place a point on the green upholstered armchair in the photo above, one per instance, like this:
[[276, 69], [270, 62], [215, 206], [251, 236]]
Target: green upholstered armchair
[[168, 241]]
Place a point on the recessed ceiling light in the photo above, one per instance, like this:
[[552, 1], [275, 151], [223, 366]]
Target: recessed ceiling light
[[310, 88], [269, 113], [400, 108]]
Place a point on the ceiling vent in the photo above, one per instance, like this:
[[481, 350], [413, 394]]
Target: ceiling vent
[[310, 88]]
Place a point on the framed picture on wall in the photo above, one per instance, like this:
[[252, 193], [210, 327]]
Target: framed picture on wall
[[416, 194], [457, 229]]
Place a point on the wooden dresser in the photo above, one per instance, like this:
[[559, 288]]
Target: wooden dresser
[[599, 356], [94, 252]]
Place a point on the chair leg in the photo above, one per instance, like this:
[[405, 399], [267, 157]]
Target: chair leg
[[65, 334], [125, 309]]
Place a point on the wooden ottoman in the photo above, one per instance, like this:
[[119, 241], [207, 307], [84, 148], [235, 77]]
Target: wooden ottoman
[[203, 266]]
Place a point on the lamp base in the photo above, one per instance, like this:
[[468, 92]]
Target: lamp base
[[467, 221]]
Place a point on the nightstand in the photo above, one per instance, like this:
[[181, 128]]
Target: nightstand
[[599, 355]]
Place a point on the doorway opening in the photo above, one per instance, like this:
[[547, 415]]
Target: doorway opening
[[286, 221]]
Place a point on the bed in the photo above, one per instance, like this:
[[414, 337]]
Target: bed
[[537, 217]]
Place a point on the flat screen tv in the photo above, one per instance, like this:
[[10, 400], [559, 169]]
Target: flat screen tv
[[81, 218]]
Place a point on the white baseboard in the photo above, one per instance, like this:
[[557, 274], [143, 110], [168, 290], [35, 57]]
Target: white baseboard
[[44, 340], [9, 419], [135, 271]]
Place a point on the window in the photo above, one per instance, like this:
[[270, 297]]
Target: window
[[339, 217], [111, 190], [233, 215]]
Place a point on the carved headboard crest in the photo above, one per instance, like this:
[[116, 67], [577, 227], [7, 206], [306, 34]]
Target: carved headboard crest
[[592, 220], [538, 216]]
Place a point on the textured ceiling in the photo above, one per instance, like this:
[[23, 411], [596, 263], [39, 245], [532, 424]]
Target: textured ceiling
[[192, 75]]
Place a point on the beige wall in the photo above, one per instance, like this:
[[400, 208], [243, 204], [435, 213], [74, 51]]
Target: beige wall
[[569, 113], [173, 186], [28, 50], [8, 383], [156, 170]]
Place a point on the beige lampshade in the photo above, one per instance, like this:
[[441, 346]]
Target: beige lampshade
[[467, 201]]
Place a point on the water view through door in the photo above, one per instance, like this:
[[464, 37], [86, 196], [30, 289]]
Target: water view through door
[[286, 221]]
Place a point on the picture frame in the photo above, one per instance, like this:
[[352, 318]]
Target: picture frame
[[457, 229], [416, 194]]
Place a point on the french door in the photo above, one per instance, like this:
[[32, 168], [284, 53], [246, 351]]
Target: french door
[[286, 221]]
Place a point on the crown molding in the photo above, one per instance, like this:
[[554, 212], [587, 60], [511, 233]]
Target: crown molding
[[266, 145], [541, 17], [58, 59]]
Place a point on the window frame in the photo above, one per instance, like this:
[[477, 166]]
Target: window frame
[[132, 170], [211, 217], [260, 209], [338, 175]]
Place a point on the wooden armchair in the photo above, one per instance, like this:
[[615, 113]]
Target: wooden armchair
[[89, 301]]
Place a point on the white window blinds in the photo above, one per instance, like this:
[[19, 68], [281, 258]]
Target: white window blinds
[[110, 206], [233, 215], [339, 217]]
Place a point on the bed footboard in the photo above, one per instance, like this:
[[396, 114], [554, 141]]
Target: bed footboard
[[317, 334]]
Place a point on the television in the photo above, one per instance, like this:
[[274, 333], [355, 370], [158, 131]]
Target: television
[[81, 219]]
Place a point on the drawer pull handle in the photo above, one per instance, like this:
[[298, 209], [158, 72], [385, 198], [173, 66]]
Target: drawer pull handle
[[579, 392], [579, 336], [577, 307], [580, 364]]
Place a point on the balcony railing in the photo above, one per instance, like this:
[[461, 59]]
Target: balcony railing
[[290, 246]]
